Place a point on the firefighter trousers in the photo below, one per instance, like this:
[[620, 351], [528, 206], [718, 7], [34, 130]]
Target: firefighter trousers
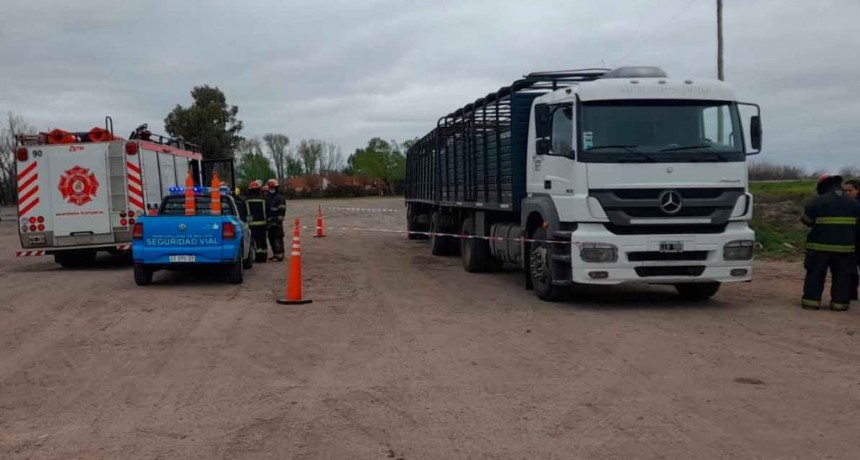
[[259, 236], [276, 240], [817, 263]]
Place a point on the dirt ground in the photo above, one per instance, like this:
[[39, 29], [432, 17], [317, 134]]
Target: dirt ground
[[404, 355]]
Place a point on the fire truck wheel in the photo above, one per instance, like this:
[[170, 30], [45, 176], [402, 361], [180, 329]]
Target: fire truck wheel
[[142, 275]]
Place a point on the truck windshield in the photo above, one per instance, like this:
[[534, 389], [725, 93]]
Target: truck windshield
[[660, 131], [175, 206]]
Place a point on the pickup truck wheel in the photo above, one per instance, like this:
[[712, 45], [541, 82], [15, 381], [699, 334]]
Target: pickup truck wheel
[[540, 269], [142, 275], [475, 251], [236, 272], [697, 291], [248, 263]]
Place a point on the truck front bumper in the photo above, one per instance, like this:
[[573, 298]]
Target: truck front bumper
[[642, 258]]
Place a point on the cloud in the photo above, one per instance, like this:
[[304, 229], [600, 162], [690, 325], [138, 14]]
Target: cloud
[[348, 71]]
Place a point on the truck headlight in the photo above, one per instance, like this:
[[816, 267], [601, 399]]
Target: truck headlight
[[598, 252], [738, 250]]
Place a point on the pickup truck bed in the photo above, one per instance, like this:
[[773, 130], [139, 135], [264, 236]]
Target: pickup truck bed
[[173, 241]]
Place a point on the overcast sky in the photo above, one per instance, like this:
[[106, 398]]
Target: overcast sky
[[346, 71]]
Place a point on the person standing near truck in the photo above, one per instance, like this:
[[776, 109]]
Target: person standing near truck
[[851, 189], [277, 209], [830, 244], [257, 207]]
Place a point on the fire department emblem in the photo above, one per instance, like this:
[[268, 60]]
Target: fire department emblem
[[78, 185]]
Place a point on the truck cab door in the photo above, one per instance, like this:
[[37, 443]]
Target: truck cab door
[[550, 168]]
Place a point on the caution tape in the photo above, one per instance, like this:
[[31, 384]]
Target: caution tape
[[341, 208], [436, 234]]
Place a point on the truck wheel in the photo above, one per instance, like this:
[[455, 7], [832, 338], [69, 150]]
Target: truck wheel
[[439, 245], [248, 263], [236, 272], [475, 251], [412, 225], [142, 275], [540, 269], [697, 291]]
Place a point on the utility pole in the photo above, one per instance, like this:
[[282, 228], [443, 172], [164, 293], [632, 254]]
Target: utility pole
[[720, 74]]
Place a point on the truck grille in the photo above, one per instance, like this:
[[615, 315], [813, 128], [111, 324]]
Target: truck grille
[[623, 206], [687, 270]]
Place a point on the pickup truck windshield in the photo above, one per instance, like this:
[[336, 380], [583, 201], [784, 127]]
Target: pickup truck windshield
[[174, 205], [660, 131]]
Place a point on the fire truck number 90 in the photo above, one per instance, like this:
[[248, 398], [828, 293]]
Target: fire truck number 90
[[37, 153]]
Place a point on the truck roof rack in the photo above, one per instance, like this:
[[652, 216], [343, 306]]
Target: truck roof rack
[[142, 133], [538, 81]]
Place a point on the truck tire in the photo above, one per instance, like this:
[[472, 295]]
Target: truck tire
[[412, 225], [697, 291], [142, 275], [440, 245], [474, 251], [236, 272], [248, 263], [540, 269]]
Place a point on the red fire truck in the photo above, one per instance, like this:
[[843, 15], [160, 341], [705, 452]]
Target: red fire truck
[[81, 192]]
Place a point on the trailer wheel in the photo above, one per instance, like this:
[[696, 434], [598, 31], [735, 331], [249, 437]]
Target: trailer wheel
[[412, 225], [142, 275], [440, 245], [697, 291], [236, 272], [475, 251], [540, 269]]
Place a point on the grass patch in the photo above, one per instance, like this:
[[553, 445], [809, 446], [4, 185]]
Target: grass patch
[[776, 217]]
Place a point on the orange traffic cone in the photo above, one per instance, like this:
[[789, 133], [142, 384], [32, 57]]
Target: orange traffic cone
[[215, 203], [320, 228], [190, 210], [293, 291]]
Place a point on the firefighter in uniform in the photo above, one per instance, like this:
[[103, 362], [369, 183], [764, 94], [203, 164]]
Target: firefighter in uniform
[[830, 244], [277, 209], [257, 207]]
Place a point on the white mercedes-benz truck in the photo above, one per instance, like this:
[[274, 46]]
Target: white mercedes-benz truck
[[592, 176]]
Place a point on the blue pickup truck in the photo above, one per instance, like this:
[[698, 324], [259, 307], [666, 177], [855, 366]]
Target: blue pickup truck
[[171, 240]]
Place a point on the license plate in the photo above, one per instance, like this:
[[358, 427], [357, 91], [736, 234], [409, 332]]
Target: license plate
[[182, 258], [671, 246]]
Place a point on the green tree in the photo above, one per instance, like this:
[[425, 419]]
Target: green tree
[[208, 122], [253, 164], [278, 145], [380, 159]]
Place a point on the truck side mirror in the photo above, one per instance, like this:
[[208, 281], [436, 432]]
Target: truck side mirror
[[543, 146], [542, 121], [755, 132]]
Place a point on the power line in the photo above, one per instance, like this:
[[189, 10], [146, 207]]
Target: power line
[[658, 29]]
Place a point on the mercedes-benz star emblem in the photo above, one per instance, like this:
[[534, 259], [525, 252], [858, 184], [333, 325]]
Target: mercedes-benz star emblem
[[182, 227], [670, 202]]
